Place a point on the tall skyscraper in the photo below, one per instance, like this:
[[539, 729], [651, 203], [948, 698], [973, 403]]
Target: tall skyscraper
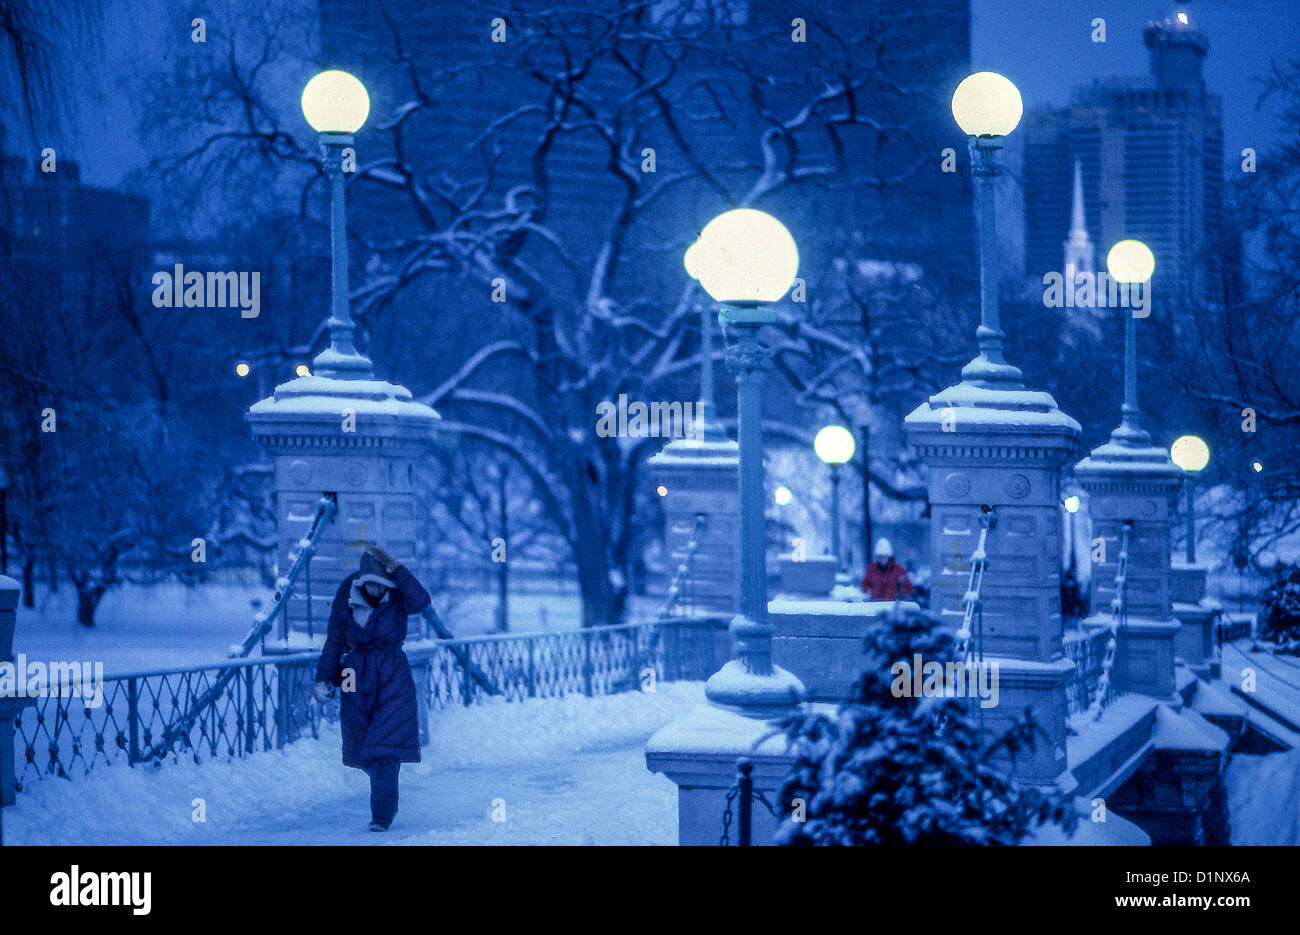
[[1137, 157]]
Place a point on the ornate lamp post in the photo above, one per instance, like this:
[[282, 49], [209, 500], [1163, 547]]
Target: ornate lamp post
[[835, 446], [706, 420], [994, 448], [1192, 455], [746, 260], [1132, 486], [1130, 263], [334, 429], [987, 107], [336, 105]]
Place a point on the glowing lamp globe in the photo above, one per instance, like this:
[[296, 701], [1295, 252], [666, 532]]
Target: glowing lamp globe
[[744, 256], [335, 102], [782, 496], [1130, 261], [834, 444], [1190, 453], [1072, 504], [692, 260], [986, 104]]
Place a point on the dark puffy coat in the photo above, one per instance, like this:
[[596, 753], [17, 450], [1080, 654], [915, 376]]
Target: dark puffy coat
[[379, 717]]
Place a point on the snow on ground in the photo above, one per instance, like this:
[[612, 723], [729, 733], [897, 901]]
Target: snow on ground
[[1264, 798], [168, 625], [139, 626], [569, 771]]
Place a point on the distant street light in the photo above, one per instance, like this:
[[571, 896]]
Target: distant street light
[[1071, 507], [782, 496], [987, 107], [834, 444], [745, 260], [336, 105], [1192, 455], [1131, 263], [987, 104]]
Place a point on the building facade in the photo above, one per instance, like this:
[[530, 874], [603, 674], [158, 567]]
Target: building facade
[[1149, 157]]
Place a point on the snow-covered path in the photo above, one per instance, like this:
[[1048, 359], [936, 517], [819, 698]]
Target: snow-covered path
[[568, 771]]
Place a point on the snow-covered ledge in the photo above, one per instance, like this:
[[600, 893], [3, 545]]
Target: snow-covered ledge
[[699, 752], [820, 641]]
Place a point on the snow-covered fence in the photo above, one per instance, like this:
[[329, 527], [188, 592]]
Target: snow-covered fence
[[1087, 650], [250, 705], [1241, 589], [590, 661]]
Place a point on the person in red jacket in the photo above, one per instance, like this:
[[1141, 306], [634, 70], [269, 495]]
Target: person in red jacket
[[885, 580]]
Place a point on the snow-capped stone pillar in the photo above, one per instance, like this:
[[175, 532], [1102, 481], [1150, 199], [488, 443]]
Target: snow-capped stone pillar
[[990, 443], [12, 706], [1134, 485], [1197, 640], [358, 439], [699, 477]]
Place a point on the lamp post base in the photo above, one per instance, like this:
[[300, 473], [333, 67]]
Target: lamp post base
[[736, 688]]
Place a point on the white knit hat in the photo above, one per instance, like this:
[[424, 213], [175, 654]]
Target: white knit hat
[[883, 548]]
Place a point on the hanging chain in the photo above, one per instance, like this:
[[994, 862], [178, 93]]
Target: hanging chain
[[762, 799], [1118, 616], [725, 840]]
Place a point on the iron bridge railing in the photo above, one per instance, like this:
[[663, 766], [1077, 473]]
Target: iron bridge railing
[[238, 707]]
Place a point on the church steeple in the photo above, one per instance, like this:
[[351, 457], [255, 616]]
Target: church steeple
[[1080, 256]]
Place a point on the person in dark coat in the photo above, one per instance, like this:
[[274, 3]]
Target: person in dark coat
[[363, 657]]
